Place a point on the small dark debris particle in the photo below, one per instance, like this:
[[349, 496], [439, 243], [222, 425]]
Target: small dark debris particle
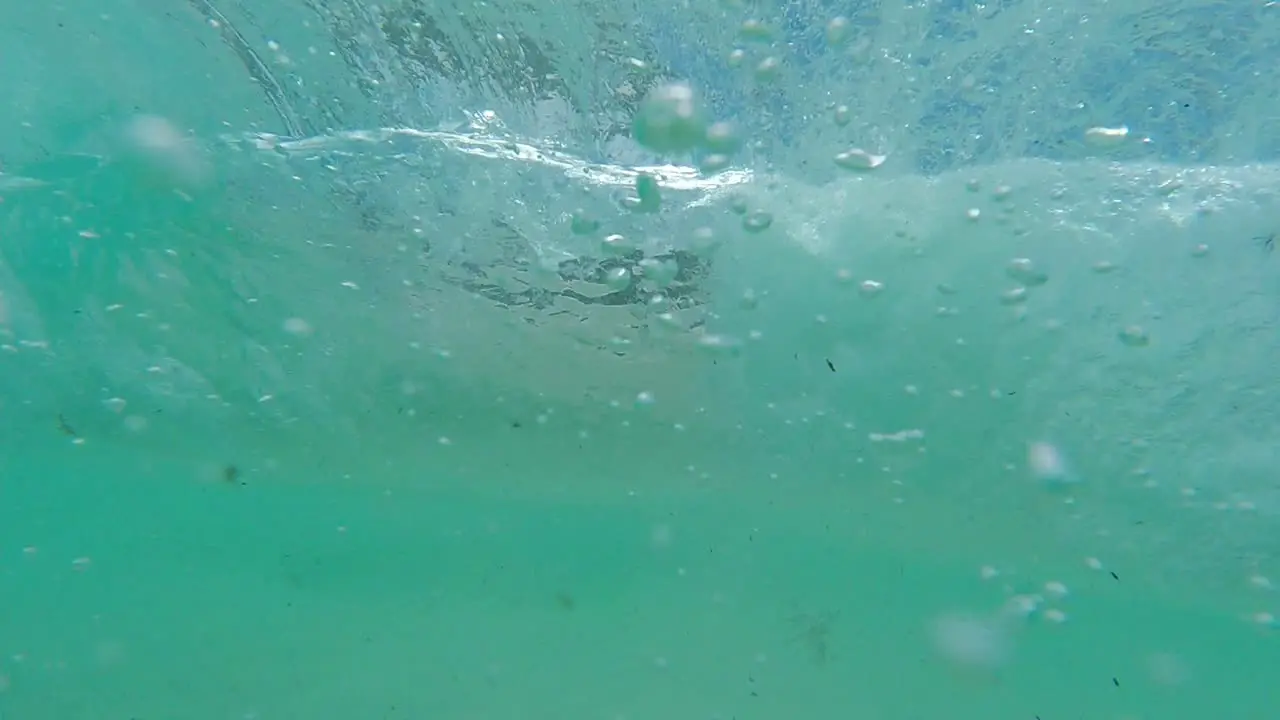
[[565, 601], [830, 366], [230, 474], [1115, 682], [64, 428], [1114, 575], [516, 424]]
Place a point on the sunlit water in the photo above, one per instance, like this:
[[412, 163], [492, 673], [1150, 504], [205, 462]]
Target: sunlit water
[[414, 362]]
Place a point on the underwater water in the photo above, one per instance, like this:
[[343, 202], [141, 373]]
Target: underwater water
[[451, 360]]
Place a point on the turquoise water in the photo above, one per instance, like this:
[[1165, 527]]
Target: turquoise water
[[326, 394]]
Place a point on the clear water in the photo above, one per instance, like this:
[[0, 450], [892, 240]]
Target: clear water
[[324, 394]]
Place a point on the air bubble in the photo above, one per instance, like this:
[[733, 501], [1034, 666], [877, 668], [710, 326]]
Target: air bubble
[[1025, 272], [755, 31], [617, 245], [1016, 296], [722, 138], [704, 241], [1105, 136], [714, 163], [618, 278], [858, 160], [718, 343], [297, 326], [661, 271], [581, 223], [669, 119], [969, 641], [837, 30], [757, 221], [1134, 336], [1055, 589], [1046, 463], [768, 69]]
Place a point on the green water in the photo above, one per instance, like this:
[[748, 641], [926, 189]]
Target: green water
[[315, 594], [264, 456]]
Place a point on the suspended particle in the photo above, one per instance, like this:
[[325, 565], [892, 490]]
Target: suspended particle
[[736, 57], [842, 115], [1102, 267], [670, 119], [645, 399], [1134, 336], [647, 192], [1106, 137], [1200, 250], [858, 160]]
